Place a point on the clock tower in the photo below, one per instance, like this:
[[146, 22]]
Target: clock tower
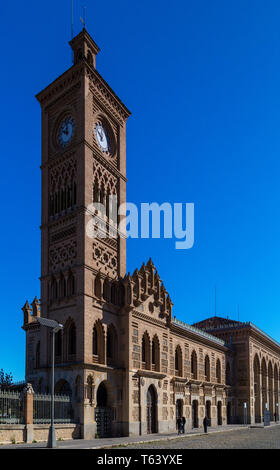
[[83, 163]]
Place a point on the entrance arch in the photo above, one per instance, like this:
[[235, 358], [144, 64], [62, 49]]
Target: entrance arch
[[62, 387], [219, 413], [151, 410], [103, 411], [208, 411], [257, 390], [195, 414], [179, 408], [264, 387]]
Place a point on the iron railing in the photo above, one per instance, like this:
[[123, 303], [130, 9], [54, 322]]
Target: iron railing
[[11, 407], [63, 412], [198, 331]]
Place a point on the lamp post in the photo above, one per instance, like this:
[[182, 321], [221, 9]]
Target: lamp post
[[55, 326], [277, 405]]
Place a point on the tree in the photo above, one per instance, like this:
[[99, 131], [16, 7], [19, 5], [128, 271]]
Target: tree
[[5, 379]]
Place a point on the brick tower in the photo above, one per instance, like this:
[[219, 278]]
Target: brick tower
[[83, 162]]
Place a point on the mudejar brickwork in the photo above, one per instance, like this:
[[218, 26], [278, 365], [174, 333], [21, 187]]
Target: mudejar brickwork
[[130, 367]]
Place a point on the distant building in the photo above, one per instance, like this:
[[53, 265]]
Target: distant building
[[129, 366]]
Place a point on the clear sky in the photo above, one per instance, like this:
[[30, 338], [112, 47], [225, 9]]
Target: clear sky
[[202, 79]]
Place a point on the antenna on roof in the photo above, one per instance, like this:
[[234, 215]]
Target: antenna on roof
[[215, 300], [72, 19], [72, 28]]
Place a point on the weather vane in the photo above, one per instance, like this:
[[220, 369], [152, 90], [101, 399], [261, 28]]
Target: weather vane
[[83, 20]]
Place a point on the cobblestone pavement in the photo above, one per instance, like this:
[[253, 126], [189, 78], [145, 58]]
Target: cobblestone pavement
[[250, 438]]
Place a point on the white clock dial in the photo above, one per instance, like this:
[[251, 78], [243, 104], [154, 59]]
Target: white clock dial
[[66, 131], [102, 137]]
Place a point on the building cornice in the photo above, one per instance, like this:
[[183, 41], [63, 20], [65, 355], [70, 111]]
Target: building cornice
[[251, 328], [71, 75]]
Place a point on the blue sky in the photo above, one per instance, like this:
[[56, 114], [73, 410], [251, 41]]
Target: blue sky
[[202, 80]]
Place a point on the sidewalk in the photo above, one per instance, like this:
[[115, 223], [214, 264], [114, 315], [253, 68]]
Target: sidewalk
[[125, 441]]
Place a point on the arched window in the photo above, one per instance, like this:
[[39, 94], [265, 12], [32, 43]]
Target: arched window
[[98, 343], [40, 385], [97, 286], [143, 350], [207, 368], [72, 339], [178, 362], [71, 285], [107, 290], [114, 294], [155, 354], [228, 378], [74, 194], [146, 352], [95, 342], [90, 58], [78, 383], [111, 344], [218, 371], [55, 290], [38, 355], [194, 365], [62, 387], [58, 344], [64, 288]]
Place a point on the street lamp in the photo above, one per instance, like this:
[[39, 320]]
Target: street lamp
[[55, 326], [245, 412]]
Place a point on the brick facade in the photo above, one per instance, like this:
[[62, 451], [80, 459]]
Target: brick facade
[[128, 364]]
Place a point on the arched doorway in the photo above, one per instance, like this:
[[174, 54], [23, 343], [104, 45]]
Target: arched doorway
[[229, 413], [257, 390], [151, 410], [195, 414], [62, 387], [179, 408], [103, 412], [270, 391], [219, 413], [208, 411], [63, 409], [264, 387]]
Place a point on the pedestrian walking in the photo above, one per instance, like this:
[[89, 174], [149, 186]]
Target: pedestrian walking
[[275, 417], [179, 424], [183, 424], [205, 424]]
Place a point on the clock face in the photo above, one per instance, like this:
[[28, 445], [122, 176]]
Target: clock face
[[66, 131], [102, 137]]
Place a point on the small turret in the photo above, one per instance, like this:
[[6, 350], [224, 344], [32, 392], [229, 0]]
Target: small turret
[[26, 313], [36, 308]]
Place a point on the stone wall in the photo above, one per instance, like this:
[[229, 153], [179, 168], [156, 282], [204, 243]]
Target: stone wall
[[18, 433]]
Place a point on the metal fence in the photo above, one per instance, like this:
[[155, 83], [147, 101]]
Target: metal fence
[[11, 407], [63, 412]]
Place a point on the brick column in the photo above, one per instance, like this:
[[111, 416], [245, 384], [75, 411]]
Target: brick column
[[28, 395]]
